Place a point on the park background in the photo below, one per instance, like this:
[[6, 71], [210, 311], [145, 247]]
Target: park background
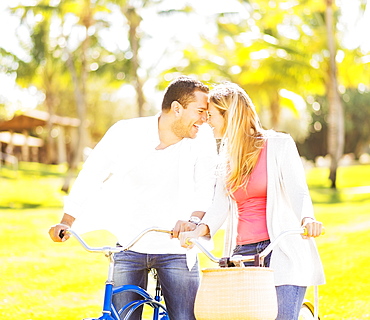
[[304, 63]]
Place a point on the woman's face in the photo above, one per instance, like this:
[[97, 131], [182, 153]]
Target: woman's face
[[216, 121]]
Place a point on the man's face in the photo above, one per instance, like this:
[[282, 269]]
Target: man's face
[[188, 120]]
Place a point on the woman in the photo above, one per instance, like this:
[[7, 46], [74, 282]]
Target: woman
[[262, 177]]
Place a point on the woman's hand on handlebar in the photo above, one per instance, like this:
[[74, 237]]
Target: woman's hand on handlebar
[[185, 236], [313, 228], [58, 232]]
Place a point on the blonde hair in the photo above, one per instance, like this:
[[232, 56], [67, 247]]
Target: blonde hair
[[243, 132]]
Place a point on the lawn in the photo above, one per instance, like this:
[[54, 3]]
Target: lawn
[[45, 280]]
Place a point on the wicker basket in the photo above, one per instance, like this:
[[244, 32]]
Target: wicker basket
[[236, 294]]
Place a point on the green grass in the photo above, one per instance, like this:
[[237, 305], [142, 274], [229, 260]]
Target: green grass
[[34, 185], [344, 248], [45, 280]]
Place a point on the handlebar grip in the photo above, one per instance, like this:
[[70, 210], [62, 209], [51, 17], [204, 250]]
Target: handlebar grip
[[188, 241], [305, 231], [61, 234]]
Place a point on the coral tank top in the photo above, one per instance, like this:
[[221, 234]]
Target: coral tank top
[[251, 202]]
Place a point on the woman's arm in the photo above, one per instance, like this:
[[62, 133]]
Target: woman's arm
[[294, 178], [213, 218]]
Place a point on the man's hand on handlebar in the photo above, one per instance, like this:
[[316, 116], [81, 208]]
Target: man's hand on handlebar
[[182, 226], [57, 232]]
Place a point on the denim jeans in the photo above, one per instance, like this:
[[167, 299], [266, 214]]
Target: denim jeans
[[252, 249], [289, 297], [179, 285]]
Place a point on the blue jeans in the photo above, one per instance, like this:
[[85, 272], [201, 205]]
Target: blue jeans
[[179, 285], [252, 249], [290, 298]]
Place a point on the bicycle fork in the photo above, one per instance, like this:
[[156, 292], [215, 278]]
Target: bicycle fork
[[158, 294], [108, 294], [110, 313]]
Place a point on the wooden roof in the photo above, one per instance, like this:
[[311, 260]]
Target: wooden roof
[[34, 118]]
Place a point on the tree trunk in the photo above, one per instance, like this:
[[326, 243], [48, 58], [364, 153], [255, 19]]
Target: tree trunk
[[81, 111], [275, 111], [134, 21], [336, 117], [50, 143], [80, 97], [80, 84]]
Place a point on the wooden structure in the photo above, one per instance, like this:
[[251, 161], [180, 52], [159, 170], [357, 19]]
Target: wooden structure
[[26, 136]]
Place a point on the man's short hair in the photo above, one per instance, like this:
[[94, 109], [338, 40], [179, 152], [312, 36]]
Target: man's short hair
[[182, 90]]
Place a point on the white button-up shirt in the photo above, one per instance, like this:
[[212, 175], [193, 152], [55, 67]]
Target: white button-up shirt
[[126, 185]]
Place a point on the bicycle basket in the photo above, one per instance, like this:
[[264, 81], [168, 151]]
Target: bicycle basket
[[240, 293]]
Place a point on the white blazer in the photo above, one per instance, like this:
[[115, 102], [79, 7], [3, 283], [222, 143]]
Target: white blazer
[[295, 260]]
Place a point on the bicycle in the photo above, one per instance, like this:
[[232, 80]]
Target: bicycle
[[109, 311]]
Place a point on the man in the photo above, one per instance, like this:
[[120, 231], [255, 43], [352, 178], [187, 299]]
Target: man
[[153, 171]]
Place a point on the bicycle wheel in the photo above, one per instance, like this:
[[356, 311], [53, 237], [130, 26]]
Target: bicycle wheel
[[306, 312]]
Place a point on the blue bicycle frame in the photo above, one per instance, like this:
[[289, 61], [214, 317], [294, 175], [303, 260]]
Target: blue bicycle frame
[[109, 310], [111, 313]]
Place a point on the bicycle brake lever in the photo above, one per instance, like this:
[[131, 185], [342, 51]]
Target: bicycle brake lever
[[61, 234]]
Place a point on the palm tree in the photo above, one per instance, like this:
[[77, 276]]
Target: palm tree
[[79, 80], [270, 58], [336, 117], [78, 64], [133, 10], [43, 70]]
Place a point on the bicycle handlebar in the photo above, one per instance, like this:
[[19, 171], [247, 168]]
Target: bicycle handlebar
[[114, 249], [236, 260], [133, 242], [92, 249]]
